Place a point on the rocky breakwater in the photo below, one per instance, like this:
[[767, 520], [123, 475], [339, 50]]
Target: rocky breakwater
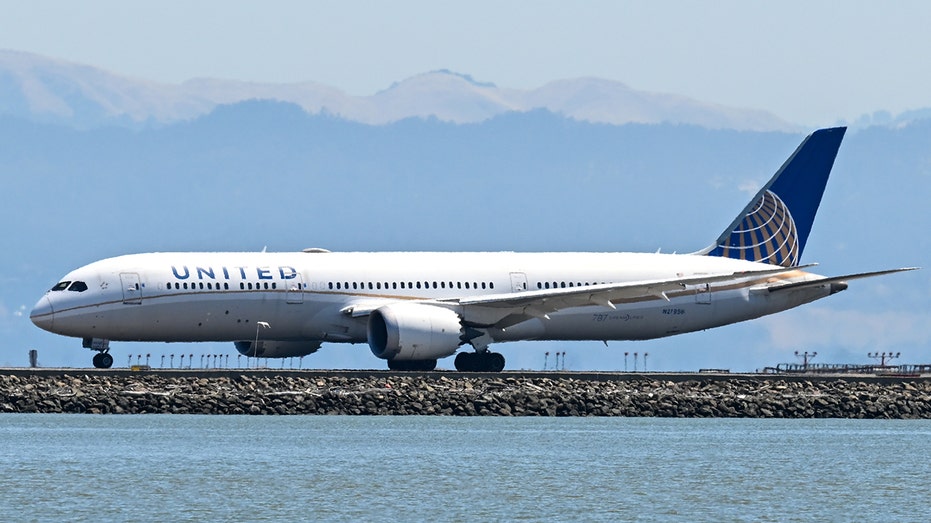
[[465, 396]]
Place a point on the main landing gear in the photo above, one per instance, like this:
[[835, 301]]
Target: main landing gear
[[103, 360], [486, 361]]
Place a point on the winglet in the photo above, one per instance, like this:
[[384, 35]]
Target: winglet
[[773, 228]]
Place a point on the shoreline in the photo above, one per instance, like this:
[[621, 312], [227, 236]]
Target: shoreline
[[267, 392]]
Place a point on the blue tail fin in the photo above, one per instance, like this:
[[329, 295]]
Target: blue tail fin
[[774, 227]]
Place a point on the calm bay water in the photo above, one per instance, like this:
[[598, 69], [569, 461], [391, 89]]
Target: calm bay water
[[319, 468]]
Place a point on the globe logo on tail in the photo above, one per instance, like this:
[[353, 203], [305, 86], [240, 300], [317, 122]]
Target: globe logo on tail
[[766, 234]]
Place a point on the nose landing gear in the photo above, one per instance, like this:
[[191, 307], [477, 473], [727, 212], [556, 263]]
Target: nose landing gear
[[102, 360]]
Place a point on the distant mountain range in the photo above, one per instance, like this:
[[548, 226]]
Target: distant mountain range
[[46, 90]]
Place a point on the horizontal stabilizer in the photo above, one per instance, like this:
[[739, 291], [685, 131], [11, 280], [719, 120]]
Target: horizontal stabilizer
[[838, 279]]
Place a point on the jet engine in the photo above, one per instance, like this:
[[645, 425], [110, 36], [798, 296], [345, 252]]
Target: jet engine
[[412, 331], [276, 349]]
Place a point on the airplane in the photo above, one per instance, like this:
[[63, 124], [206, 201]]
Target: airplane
[[414, 308]]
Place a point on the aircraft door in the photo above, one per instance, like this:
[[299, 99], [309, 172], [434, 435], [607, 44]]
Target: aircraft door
[[703, 294], [518, 282], [295, 289], [132, 289]]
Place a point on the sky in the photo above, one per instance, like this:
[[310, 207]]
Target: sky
[[812, 63]]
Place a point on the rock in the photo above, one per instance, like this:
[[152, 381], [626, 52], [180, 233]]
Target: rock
[[493, 396]]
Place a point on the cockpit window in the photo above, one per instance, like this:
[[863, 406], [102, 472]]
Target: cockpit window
[[61, 286], [78, 286]]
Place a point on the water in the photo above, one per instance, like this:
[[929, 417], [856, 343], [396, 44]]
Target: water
[[323, 468]]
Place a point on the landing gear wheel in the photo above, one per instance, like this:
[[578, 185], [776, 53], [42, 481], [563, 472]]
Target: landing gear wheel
[[464, 361], [479, 362], [103, 360], [495, 361]]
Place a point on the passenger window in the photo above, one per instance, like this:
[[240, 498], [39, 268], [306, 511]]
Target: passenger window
[[61, 286], [226, 286], [78, 286], [491, 285], [177, 285]]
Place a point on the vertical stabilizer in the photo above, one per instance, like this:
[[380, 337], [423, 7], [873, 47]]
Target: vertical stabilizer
[[773, 228]]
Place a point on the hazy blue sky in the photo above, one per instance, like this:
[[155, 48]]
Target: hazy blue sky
[[809, 62]]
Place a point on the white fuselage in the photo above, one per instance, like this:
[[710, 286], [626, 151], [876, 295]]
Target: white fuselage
[[186, 297]]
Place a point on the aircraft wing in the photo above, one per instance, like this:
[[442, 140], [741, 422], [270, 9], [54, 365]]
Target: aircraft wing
[[493, 309]]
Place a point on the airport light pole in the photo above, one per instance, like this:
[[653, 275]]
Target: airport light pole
[[883, 357], [806, 357]]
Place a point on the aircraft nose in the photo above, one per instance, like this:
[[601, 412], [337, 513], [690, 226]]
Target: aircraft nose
[[42, 315]]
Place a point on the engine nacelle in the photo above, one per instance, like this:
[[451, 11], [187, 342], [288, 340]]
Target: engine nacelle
[[412, 331], [276, 349]]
